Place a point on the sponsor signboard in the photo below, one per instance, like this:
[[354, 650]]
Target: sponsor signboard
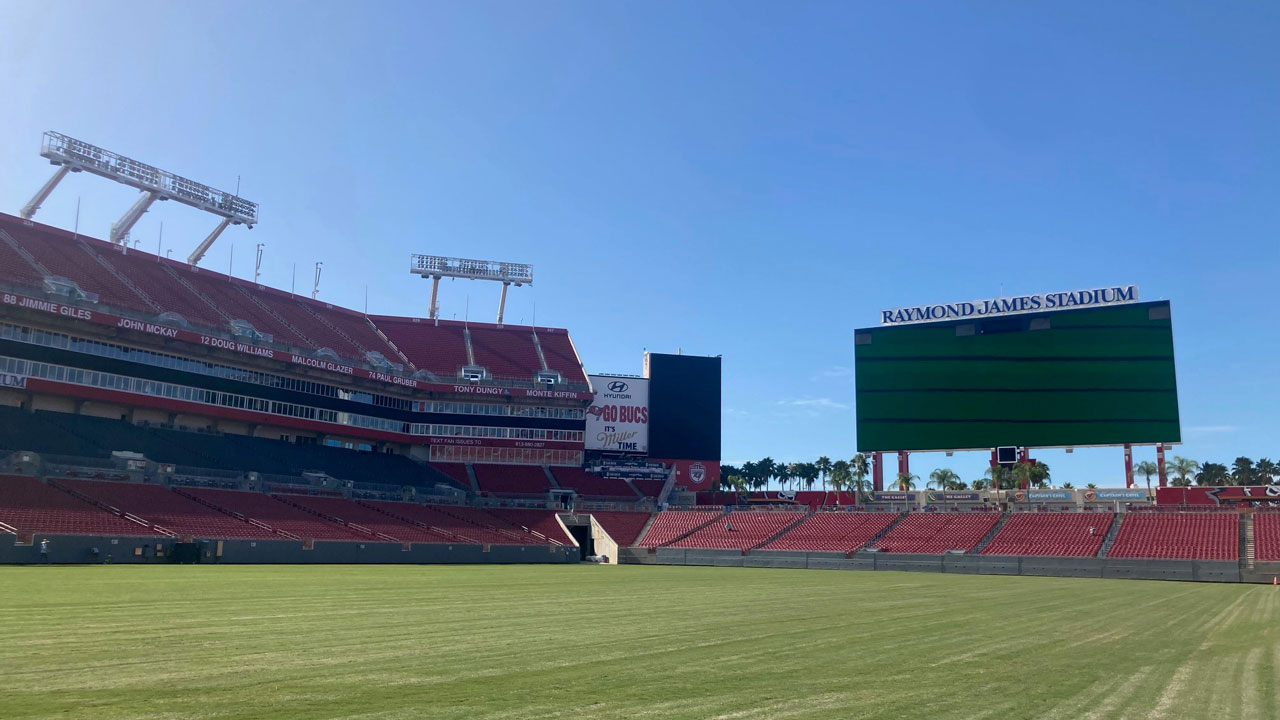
[[696, 474], [618, 419], [1249, 494], [11, 381], [244, 348], [991, 307], [947, 496], [1114, 495], [1042, 495], [894, 496]]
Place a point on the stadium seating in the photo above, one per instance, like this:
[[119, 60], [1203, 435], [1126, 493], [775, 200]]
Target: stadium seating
[[277, 514], [649, 488], [1198, 536], [507, 352], [63, 255], [1266, 535], [935, 533], [558, 350], [354, 326], [438, 349], [456, 522], [512, 480], [623, 527], [1051, 535], [671, 524], [349, 511], [31, 506], [591, 485], [158, 278], [739, 530], [833, 532], [539, 521], [169, 510]]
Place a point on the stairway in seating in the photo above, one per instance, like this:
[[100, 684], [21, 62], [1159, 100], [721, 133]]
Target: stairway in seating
[[803, 516], [403, 358], [192, 289], [31, 260], [882, 533], [537, 347], [1248, 553], [551, 478], [1110, 539], [267, 309], [106, 265], [667, 487], [986, 539]]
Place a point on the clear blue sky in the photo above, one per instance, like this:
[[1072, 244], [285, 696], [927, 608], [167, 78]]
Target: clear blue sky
[[748, 179]]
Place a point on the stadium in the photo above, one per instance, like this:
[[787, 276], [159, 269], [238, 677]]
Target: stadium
[[849, 361], [157, 412]]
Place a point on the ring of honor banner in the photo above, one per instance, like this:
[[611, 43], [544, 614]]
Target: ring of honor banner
[[618, 419]]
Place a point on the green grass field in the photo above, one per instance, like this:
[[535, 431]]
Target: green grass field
[[626, 642]]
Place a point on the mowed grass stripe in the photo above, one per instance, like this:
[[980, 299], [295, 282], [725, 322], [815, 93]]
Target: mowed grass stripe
[[626, 642]]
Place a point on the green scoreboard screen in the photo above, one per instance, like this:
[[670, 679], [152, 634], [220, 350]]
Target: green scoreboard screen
[[1098, 376]]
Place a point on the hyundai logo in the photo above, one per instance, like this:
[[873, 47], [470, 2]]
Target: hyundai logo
[[618, 386]]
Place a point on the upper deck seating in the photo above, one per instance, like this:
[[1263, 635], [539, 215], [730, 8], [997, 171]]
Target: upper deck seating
[[506, 352], [558, 350], [439, 349]]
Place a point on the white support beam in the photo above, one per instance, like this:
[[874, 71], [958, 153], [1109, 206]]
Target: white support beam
[[203, 247], [502, 301], [28, 211], [120, 228], [433, 310]]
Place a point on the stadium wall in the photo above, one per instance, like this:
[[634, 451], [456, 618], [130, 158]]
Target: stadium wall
[[1135, 569], [78, 549]]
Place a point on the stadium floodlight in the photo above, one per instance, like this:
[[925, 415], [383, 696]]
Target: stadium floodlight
[[71, 155], [437, 266]]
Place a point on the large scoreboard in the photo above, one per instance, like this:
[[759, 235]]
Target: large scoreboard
[[1064, 378]]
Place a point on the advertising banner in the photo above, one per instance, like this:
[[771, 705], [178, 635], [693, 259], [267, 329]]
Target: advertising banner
[[696, 474], [947, 496], [618, 419], [1249, 494], [894, 496], [1042, 495], [1114, 495]]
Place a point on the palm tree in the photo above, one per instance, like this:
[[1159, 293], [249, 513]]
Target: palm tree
[[727, 472], [1183, 470], [978, 485], [1212, 473], [824, 469], [1039, 474], [1265, 470], [859, 469], [767, 469], [907, 481], [1242, 471], [1068, 486], [840, 475], [808, 472], [783, 475], [1147, 469], [1091, 486], [1021, 474], [1001, 477], [943, 479]]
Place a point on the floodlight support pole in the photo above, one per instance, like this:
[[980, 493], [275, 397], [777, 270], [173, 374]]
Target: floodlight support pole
[[28, 211], [502, 301], [120, 228], [433, 310], [204, 245]]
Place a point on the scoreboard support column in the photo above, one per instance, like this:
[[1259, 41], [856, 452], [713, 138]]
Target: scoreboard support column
[[877, 471], [1128, 465], [1160, 464], [904, 463]]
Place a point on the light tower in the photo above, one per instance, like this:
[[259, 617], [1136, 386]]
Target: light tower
[[71, 155], [436, 267]]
